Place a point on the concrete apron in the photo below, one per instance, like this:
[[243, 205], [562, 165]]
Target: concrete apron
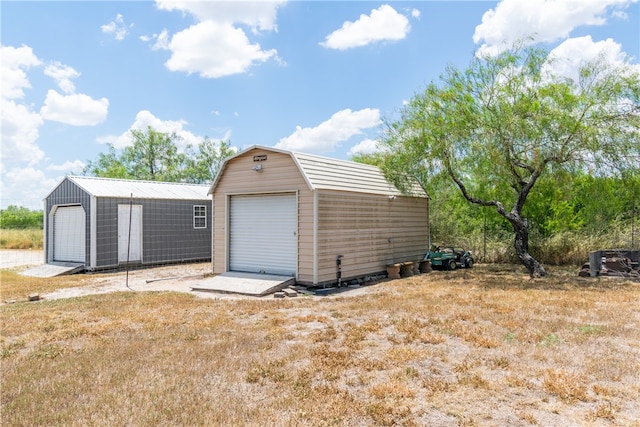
[[54, 269], [245, 283]]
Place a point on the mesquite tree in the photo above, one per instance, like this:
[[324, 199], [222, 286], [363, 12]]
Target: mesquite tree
[[495, 128], [154, 156]]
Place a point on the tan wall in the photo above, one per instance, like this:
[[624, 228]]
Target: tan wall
[[370, 231], [279, 174]]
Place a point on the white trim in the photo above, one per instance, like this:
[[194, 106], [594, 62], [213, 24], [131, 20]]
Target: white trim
[[69, 237], [227, 209], [128, 212], [50, 234], [315, 237], [45, 238], [199, 217], [263, 233], [93, 232]]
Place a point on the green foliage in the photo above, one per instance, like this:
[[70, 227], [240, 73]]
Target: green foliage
[[19, 217], [506, 128], [154, 156], [204, 164]]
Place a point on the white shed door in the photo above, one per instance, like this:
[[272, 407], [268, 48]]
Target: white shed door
[[263, 234], [69, 232], [129, 244]]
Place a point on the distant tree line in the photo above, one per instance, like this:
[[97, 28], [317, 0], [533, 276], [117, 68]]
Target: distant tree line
[[154, 156], [19, 217]]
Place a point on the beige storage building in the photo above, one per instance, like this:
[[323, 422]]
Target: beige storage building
[[287, 213]]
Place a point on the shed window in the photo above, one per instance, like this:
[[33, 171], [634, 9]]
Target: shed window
[[199, 217]]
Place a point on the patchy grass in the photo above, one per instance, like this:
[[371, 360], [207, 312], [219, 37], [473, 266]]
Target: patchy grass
[[29, 238], [19, 287], [487, 346]]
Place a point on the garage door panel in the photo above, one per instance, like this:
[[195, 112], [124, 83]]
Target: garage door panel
[[69, 232], [263, 234]]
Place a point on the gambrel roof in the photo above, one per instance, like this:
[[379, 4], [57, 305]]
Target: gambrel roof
[[324, 173]]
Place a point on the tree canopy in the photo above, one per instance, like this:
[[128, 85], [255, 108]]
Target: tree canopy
[[507, 123], [154, 156]]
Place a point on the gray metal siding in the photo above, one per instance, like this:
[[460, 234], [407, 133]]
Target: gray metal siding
[[167, 231], [107, 231], [67, 193]]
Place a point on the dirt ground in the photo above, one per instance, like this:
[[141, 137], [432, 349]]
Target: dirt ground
[[12, 258], [176, 278]]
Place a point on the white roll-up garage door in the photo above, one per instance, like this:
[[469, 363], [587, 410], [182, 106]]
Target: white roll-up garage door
[[263, 234], [69, 233]]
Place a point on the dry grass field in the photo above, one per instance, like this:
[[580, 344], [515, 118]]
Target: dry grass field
[[486, 347], [30, 238]]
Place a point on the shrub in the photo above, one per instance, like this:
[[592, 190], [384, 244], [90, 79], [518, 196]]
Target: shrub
[[19, 217]]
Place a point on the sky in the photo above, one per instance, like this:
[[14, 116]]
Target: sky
[[318, 77]]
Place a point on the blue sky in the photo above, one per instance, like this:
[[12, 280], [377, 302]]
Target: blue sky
[[317, 77]]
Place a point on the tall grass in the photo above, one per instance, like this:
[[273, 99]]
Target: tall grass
[[29, 238], [565, 248]]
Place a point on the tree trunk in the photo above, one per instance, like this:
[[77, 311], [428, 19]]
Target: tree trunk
[[521, 244]]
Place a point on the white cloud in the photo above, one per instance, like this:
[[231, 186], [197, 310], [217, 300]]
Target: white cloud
[[327, 135], [144, 119], [162, 40], [117, 28], [215, 46], [546, 20], [20, 133], [384, 23], [259, 15], [75, 166], [62, 74], [74, 109], [573, 53], [26, 186], [19, 124], [368, 146], [12, 68], [214, 50]]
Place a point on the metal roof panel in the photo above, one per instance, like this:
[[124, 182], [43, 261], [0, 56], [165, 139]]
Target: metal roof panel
[[109, 187]]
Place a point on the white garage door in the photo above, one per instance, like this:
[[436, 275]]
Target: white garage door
[[263, 234], [69, 234]]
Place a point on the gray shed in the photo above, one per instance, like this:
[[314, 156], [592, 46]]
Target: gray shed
[[294, 214], [102, 222]]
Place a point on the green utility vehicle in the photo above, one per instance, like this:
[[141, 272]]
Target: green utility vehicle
[[449, 257]]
